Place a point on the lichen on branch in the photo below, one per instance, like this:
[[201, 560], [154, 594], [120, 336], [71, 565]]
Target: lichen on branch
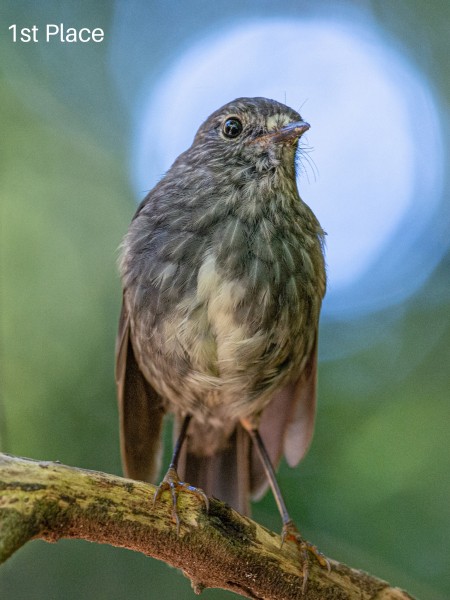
[[221, 548]]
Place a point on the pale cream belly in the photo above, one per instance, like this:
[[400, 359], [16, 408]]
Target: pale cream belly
[[203, 361]]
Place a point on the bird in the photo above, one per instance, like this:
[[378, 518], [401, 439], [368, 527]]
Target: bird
[[223, 276]]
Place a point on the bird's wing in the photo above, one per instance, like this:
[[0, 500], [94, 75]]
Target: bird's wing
[[140, 410], [287, 423]]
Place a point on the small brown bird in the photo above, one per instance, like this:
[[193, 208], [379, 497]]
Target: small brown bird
[[223, 277]]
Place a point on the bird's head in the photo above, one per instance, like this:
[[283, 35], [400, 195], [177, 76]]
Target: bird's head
[[250, 132]]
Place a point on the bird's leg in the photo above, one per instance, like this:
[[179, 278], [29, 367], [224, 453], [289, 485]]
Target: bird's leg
[[172, 482], [290, 531]]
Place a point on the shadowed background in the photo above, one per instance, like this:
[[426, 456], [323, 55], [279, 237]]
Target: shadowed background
[[87, 129]]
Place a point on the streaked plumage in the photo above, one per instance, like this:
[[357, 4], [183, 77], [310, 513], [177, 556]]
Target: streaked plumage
[[223, 278]]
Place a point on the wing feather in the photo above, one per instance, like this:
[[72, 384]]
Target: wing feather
[[287, 424], [140, 410]]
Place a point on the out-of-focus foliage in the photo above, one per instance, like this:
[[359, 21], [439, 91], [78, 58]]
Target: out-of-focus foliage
[[373, 491]]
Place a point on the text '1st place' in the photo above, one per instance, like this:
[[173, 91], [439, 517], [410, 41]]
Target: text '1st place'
[[56, 33]]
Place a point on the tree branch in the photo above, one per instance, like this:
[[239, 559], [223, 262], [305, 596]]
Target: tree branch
[[220, 549]]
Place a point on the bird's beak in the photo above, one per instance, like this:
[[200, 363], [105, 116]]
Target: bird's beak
[[289, 133]]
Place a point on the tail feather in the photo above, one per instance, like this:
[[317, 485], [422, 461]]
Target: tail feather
[[225, 474]]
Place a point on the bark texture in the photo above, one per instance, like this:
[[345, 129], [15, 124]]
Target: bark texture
[[220, 549]]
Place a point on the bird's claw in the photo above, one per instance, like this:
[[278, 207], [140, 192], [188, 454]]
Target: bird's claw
[[291, 533], [172, 483]]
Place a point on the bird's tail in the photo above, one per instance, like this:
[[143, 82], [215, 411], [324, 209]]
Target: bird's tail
[[225, 474]]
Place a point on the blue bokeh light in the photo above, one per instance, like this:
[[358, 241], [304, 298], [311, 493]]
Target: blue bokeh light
[[371, 188]]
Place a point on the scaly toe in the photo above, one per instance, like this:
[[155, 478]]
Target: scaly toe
[[291, 533], [172, 483]]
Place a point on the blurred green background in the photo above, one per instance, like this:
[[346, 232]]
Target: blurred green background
[[374, 489]]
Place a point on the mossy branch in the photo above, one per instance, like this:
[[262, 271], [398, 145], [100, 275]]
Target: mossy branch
[[221, 549]]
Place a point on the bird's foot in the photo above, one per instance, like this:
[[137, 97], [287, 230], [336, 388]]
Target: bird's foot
[[172, 483], [290, 533]]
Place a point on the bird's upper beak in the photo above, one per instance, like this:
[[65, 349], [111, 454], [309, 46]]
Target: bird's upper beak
[[289, 133]]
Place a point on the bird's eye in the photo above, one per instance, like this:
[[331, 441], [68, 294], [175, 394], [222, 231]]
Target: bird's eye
[[232, 127]]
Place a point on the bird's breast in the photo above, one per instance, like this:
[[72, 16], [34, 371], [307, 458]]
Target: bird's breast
[[229, 327]]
